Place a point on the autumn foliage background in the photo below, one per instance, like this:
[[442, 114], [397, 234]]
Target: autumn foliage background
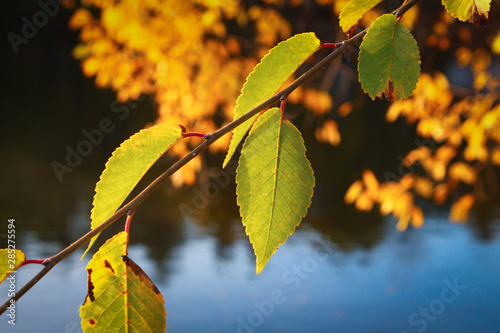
[[193, 56], [185, 62]]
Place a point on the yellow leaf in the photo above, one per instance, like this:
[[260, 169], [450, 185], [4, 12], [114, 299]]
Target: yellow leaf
[[120, 296], [495, 45], [410, 17], [495, 156], [463, 55], [417, 217], [353, 192], [364, 202], [80, 18], [318, 101], [404, 204], [370, 181], [460, 208], [445, 153], [403, 222], [424, 187], [455, 138], [328, 133], [463, 172], [441, 193], [476, 149], [398, 108], [481, 79], [10, 261], [474, 11], [435, 167], [419, 154], [345, 109], [389, 194], [428, 127]]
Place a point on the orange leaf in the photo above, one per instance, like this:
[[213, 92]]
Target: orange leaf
[[417, 217], [328, 133], [370, 181], [463, 172], [460, 208], [423, 187], [353, 192]]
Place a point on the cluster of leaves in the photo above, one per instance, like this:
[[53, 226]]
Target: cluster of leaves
[[459, 145], [274, 178]]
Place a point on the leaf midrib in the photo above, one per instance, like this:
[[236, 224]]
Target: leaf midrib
[[275, 183]]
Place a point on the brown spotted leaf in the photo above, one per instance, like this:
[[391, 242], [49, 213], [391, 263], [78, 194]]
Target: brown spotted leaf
[[474, 11], [120, 296]]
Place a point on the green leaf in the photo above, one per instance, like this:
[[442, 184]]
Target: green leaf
[[389, 60], [275, 183], [267, 77], [474, 11], [126, 167], [353, 11], [120, 296], [10, 261]]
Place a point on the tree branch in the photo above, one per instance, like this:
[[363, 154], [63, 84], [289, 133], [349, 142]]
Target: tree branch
[[210, 139]]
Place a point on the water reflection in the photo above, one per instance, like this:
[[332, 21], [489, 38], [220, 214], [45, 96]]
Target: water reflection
[[313, 284]]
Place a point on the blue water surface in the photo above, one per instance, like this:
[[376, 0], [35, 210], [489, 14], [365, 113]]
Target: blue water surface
[[441, 278]]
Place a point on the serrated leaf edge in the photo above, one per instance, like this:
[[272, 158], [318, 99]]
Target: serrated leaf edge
[[306, 208]]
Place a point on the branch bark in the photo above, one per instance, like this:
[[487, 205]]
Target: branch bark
[[49, 263]]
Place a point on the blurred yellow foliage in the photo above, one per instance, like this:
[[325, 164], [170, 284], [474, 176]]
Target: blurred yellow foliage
[[495, 45], [318, 101], [460, 208], [328, 133], [181, 53], [392, 197], [460, 139]]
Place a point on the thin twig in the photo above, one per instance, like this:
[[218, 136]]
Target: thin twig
[[210, 139]]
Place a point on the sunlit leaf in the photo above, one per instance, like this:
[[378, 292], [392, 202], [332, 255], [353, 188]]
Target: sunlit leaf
[[10, 261], [388, 60], [474, 11], [266, 79], [120, 296], [353, 11], [126, 167], [274, 183]]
